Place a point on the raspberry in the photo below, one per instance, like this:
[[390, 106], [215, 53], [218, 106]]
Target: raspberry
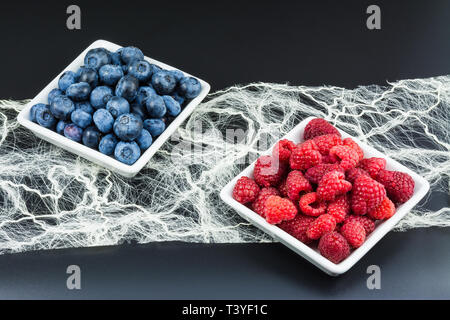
[[326, 142], [332, 184], [323, 224], [268, 171], [339, 208], [385, 210], [330, 159], [354, 173], [348, 157], [278, 209], [352, 144], [354, 233], [283, 149], [295, 184], [399, 185], [305, 156], [297, 227], [334, 247], [367, 194], [315, 174], [318, 127], [259, 204], [245, 190], [367, 223], [372, 166], [283, 189], [307, 208]]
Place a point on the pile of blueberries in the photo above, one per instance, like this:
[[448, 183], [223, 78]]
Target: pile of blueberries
[[117, 103]]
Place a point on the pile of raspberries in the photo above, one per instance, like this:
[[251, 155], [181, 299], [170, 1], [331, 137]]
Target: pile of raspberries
[[324, 190]]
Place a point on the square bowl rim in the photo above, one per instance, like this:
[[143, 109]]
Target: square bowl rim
[[86, 152], [421, 189]]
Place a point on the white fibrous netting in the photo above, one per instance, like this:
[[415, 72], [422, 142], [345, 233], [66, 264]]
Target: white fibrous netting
[[51, 198]]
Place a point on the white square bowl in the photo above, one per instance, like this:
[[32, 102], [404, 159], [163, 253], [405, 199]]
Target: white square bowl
[[312, 254], [94, 155]]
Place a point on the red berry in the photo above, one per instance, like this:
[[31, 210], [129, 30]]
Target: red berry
[[297, 227], [339, 208], [259, 204], [269, 171], [296, 183], [367, 223], [372, 166], [245, 190], [305, 156], [367, 194], [399, 185], [316, 173], [278, 209], [326, 142], [318, 127], [283, 149], [323, 224], [283, 189], [354, 233], [385, 210], [354, 173], [332, 184], [334, 247], [352, 144], [310, 205], [328, 159], [348, 157]]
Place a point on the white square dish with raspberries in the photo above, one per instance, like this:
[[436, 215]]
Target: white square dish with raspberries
[[94, 155], [311, 251]]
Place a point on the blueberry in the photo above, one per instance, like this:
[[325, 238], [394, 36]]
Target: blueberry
[[116, 57], [108, 144], [177, 74], [128, 54], [172, 106], [144, 140], [81, 118], [85, 106], [103, 120], [155, 107], [178, 98], [138, 110], [73, 132], [127, 127], [140, 69], [96, 58], [33, 111], [110, 74], [79, 91], [88, 75], [155, 68], [54, 93], [127, 88], [189, 87], [127, 152], [44, 116], [100, 96], [163, 82], [66, 79], [154, 126], [61, 125], [143, 94], [117, 106], [91, 137], [62, 107], [168, 120]]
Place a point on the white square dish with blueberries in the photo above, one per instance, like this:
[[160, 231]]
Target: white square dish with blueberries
[[113, 106]]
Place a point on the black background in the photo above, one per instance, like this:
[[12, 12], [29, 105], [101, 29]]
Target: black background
[[225, 43]]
